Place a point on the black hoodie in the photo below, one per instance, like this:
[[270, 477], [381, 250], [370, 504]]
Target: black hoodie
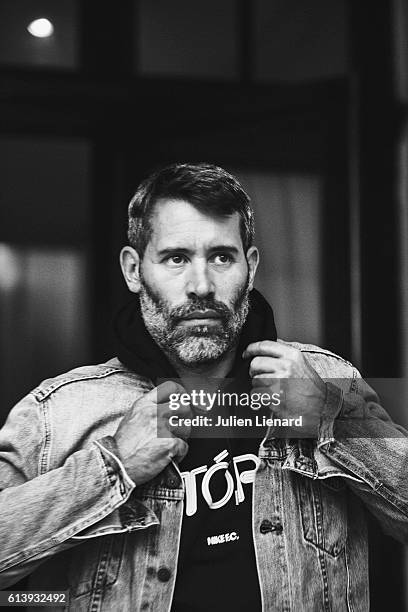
[[216, 566]]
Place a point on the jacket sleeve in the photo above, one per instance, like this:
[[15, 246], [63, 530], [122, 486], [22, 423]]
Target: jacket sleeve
[[357, 435], [41, 511]]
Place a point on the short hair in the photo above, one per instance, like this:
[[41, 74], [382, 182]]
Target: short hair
[[208, 188]]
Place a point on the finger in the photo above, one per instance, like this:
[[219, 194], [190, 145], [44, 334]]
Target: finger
[[279, 366], [173, 422], [180, 431], [267, 387], [264, 347], [165, 428], [180, 449], [263, 365], [272, 379], [176, 408]]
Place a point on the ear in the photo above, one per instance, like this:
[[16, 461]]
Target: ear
[[130, 264], [252, 257]]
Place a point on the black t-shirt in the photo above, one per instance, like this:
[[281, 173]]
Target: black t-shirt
[[217, 566]]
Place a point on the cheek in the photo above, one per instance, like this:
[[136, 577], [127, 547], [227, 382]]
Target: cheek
[[229, 289], [169, 290]]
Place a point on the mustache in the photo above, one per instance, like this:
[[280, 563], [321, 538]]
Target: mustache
[[199, 305], [195, 303]]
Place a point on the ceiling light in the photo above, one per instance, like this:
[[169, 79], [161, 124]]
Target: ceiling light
[[41, 28]]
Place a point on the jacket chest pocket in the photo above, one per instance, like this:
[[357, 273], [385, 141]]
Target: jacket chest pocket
[[95, 564], [323, 511]]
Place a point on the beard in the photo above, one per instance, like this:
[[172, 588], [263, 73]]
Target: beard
[[199, 344]]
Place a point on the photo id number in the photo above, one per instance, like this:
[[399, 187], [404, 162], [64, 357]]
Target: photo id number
[[33, 598]]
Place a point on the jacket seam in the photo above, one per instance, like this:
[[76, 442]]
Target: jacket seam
[[354, 382], [41, 394], [43, 462], [348, 591], [327, 354], [309, 348], [313, 348]]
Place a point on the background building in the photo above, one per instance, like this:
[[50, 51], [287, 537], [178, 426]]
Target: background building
[[305, 101]]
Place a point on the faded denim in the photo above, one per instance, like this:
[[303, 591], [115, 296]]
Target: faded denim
[[72, 518]]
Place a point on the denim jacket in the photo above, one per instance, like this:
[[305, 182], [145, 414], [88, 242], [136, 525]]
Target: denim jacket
[[71, 517]]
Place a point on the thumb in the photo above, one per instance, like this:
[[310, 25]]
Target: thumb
[[180, 450]]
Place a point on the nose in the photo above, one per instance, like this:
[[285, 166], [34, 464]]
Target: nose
[[199, 282]]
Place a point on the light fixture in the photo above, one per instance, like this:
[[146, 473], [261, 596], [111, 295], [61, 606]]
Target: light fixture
[[41, 28]]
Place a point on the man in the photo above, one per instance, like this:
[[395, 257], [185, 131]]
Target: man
[[106, 494]]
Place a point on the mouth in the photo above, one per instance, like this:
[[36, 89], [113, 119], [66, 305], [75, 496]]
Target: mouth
[[200, 317]]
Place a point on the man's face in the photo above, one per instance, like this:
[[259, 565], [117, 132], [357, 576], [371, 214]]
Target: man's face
[[195, 282]]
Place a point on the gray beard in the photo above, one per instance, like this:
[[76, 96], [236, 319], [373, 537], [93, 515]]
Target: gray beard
[[201, 344]]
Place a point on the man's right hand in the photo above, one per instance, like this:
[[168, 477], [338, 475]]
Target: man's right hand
[[145, 441]]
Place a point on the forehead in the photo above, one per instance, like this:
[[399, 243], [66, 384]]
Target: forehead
[[178, 221]]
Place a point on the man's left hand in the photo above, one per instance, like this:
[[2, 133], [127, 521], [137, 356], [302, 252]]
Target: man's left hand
[[304, 390]]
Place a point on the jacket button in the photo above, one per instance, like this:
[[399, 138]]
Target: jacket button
[[163, 574], [172, 483], [266, 526]]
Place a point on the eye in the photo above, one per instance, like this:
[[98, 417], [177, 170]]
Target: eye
[[222, 259], [175, 260]]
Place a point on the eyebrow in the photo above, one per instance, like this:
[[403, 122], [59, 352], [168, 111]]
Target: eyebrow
[[214, 249]]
